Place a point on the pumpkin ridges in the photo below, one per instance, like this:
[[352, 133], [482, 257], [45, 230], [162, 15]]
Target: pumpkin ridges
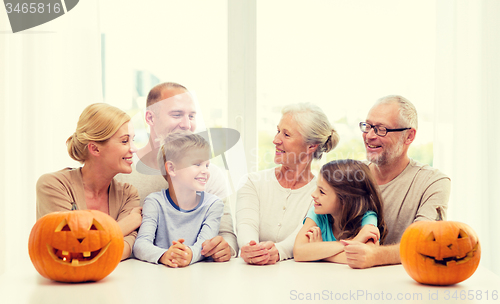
[[40, 250], [33, 249], [414, 259]]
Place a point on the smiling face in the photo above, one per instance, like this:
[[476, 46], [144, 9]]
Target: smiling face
[[290, 146], [191, 171], [388, 149], [326, 200], [116, 153], [76, 246], [176, 111]]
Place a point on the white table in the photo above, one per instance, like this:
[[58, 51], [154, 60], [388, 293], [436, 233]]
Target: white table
[[139, 282]]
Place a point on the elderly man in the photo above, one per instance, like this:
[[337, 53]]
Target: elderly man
[[170, 107], [411, 191]]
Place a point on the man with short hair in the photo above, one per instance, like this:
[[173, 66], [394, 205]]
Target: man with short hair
[[411, 191], [170, 107]]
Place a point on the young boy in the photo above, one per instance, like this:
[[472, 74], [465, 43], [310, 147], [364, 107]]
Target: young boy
[[176, 221]]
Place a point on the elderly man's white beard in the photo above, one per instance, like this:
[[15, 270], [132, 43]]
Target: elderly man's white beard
[[388, 157]]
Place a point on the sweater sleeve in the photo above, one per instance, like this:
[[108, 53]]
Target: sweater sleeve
[[144, 248], [217, 185], [209, 229], [434, 198], [52, 195], [247, 214], [369, 218], [226, 229], [285, 247]]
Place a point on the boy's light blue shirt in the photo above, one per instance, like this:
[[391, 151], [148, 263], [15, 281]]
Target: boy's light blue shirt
[[162, 224], [321, 220]]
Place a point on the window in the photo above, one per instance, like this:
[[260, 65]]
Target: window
[[165, 41], [343, 56]]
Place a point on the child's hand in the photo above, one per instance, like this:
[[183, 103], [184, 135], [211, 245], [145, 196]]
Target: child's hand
[[182, 253], [314, 234], [368, 234], [168, 260], [177, 255]]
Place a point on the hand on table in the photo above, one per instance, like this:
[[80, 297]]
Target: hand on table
[[260, 254], [274, 255], [217, 248], [177, 255], [359, 255]]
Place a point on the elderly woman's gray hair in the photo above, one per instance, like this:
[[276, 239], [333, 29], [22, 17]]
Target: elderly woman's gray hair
[[314, 127]]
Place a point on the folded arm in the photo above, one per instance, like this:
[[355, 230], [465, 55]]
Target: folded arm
[[304, 250]]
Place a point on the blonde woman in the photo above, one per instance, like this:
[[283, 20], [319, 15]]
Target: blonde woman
[[272, 204], [103, 144]]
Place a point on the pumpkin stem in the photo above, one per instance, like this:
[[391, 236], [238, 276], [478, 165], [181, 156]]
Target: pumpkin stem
[[440, 214], [74, 206]]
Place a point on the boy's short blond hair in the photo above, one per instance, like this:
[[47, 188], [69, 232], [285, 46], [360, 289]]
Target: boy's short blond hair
[[175, 145]]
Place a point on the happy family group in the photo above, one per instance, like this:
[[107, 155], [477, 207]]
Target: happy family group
[[170, 202]]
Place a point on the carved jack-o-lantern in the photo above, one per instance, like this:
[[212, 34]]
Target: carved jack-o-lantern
[[440, 253], [76, 246]]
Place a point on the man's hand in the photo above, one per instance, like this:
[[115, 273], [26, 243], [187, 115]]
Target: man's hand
[[359, 255], [217, 248]]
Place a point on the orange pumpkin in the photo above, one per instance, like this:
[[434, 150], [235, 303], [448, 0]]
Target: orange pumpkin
[[76, 246], [440, 253]]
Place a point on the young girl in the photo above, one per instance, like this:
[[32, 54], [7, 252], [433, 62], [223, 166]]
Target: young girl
[[347, 205]]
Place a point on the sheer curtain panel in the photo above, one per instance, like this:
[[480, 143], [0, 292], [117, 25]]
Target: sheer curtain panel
[[48, 74], [467, 112]]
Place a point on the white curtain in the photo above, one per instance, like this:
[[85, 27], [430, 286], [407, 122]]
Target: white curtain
[[48, 74], [467, 142]]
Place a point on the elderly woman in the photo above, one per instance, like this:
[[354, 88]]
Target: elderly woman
[[103, 144], [271, 205]]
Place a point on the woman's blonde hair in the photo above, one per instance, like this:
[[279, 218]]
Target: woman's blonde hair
[[314, 127], [98, 122]]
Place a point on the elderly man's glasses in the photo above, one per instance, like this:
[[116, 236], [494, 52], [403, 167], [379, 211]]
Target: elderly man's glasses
[[379, 130]]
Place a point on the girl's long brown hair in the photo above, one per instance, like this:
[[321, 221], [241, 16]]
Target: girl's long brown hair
[[357, 192]]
